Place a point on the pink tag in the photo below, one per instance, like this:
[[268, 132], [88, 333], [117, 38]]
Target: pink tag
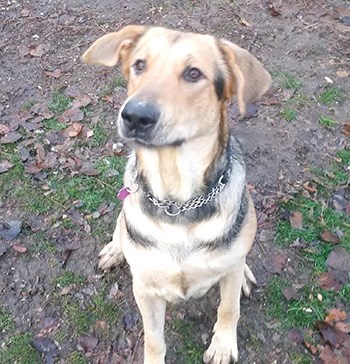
[[123, 193]]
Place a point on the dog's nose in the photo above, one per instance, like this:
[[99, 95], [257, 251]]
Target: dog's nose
[[139, 116]]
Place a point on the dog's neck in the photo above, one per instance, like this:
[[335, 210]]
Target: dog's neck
[[178, 172]]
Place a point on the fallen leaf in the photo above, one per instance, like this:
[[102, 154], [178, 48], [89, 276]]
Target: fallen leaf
[[341, 199], [87, 344], [346, 129], [310, 186], [274, 11], [245, 22], [31, 168], [71, 115], [4, 129], [10, 230], [339, 259], [313, 349], [296, 220], [296, 336], [47, 347], [328, 282], [2, 249], [335, 314], [276, 263], [5, 166], [101, 325], [42, 110], [19, 248], [81, 100], [329, 357], [10, 138], [89, 170], [73, 130], [339, 340], [269, 101], [130, 321], [290, 293], [37, 51], [330, 237], [57, 73], [342, 73]]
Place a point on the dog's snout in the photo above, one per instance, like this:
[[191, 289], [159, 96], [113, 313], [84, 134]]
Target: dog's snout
[[139, 116]]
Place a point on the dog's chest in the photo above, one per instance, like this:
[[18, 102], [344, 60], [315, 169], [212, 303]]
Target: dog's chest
[[179, 276]]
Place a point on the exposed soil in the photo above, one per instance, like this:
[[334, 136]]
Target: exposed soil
[[305, 38]]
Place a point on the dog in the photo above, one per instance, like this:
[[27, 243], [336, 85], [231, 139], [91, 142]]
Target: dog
[[187, 220]]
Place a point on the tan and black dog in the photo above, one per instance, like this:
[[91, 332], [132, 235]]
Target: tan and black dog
[[187, 220]]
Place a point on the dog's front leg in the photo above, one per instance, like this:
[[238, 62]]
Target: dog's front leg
[[153, 316], [223, 348], [111, 255]]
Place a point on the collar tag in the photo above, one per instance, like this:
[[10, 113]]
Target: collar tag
[[123, 193]]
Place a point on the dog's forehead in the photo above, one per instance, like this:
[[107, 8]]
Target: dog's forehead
[[163, 41]]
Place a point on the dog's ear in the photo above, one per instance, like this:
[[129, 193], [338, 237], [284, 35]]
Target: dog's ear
[[248, 78], [114, 47]]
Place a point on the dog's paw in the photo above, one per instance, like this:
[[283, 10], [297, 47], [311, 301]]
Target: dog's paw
[[222, 350], [110, 256], [248, 280]]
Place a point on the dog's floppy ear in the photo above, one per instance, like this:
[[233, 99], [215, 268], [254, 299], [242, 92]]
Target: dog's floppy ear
[[249, 79], [114, 47]]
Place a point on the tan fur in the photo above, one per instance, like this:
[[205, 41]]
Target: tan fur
[[177, 268]]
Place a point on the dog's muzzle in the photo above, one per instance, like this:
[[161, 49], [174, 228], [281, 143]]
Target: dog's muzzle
[[138, 120]]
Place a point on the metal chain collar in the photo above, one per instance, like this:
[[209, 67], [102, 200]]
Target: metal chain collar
[[191, 204]]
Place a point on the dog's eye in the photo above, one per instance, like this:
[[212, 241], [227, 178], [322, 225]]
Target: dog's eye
[[192, 74], [139, 66]]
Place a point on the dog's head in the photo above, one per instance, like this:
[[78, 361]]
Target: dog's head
[[178, 83]]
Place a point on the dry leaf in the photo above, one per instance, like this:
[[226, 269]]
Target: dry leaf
[[73, 130], [10, 138], [339, 259], [276, 263], [245, 22], [330, 237], [19, 248], [5, 166], [81, 100], [290, 293], [74, 114], [4, 129], [274, 11], [342, 73], [57, 73], [346, 129], [328, 282], [335, 314], [38, 51], [296, 220]]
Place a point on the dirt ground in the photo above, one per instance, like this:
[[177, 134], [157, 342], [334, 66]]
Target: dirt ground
[[303, 38]]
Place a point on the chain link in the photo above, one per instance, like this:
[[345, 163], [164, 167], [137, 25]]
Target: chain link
[[191, 204]]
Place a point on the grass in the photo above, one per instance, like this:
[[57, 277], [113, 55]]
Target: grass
[[76, 358], [54, 124], [288, 80], [17, 349], [59, 103], [68, 278], [325, 121], [6, 321], [62, 189], [190, 350], [331, 95], [81, 319], [318, 217], [116, 82], [288, 114], [40, 244], [27, 105]]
